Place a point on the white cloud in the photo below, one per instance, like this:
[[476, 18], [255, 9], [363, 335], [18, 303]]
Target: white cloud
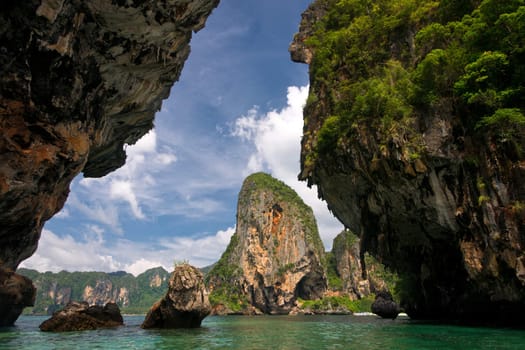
[[98, 211], [134, 184], [146, 144], [123, 189], [141, 265], [56, 253], [276, 137], [92, 253], [200, 251]]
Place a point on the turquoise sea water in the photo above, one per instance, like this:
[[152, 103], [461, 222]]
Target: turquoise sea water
[[269, 332]]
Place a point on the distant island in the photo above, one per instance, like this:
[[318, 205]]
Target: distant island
[[134, 295]]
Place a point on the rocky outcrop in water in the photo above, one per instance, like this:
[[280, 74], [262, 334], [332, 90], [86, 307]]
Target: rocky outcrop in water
[[79, 316], [275, 255], [16, 293], [385, 306], [186, 303], [408, 149], [78, 81]]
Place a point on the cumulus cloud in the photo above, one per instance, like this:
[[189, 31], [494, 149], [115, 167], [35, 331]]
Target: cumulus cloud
[[200, 251], [93, 253], [133, 184], [56, 253], [123, 189], [276, 138], [98, 211]]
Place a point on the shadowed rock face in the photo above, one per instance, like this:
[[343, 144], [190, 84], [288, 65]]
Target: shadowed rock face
[[186, 303], [452, 227], [78, 81], [358, 278], [385, 306], [79, 316], [16, 292]]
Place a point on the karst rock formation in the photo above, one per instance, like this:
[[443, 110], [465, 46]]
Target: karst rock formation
[[79, 316], [185, 304], [78, 80], [275, 255], [414, 135]]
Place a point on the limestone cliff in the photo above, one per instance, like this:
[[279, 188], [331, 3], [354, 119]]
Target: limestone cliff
[[78, 81], [275, 255], [414, 135], [103, 292], [132, 294], [355, 274], [185, 304]]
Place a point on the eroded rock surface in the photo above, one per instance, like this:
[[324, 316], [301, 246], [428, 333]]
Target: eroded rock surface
[[275, 255], [16, 293], [385, 306], [186, 303], [78, 81], [359, 273], [433, 197], [79, 316]]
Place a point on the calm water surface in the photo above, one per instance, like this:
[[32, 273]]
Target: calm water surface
[[268, 332]]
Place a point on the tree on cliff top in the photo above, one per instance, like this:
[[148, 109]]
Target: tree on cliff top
[[275, 225], [392, 60]]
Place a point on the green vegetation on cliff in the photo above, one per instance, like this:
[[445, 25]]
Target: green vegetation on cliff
[[284, 193], [335, 282], [224, 274], [276, 240], [384, 62], [333, 303], [137, 294], [346, 251]]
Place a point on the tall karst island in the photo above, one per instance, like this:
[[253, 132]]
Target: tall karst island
[[414, 135], [275, 255], [276, 262], [78, 81]]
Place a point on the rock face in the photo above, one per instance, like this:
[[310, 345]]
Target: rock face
[[186, 303], [16, 292], [132, 294], [360, 274], [275, 255], [105, 292], [79, 316], [78, 81], [432, 193], [385, 306]]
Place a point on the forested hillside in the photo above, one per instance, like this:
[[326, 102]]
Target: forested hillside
[[133, 294]]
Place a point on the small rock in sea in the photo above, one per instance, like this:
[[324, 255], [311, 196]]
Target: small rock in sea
[[385, 306], [79, 316], [186, 303]]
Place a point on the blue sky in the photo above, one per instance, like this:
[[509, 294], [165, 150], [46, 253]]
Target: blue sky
[[237, 109]]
